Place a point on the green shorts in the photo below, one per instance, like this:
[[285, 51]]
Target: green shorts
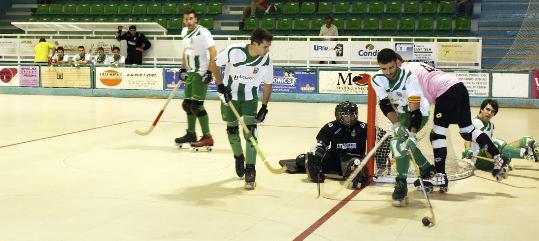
[[244, 107], [195, 88]]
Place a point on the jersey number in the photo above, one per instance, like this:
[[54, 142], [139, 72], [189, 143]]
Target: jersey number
[[428, 67]]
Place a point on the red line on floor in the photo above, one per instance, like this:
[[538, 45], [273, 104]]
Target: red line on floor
[[326, 216]]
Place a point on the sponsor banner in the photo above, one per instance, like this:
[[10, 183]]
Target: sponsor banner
[[9, 46], [129, 78], [344, 82], [293, 81], [406, 50], [510, 85], [458, 52], [367, 50], [172, 75], [29, 76], [9, 76], [72, 77], [476, 83], [424, 51], [534, 83], [330, 50]]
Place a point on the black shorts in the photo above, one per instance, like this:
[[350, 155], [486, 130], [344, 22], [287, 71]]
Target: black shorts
[[335, 162], [453, 107]]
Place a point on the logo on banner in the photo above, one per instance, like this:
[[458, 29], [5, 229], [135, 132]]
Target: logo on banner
[[307, 88], [339, 49], [288, 79], [59, 75], [360, 79], [368, 51], [110, 77], [7, 74]]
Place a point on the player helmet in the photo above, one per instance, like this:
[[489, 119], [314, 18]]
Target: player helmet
[[346, 113]]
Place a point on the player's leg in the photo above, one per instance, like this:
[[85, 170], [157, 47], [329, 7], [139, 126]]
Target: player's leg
[[233, 135], [248, 111], [529, 144], [470, 133], [402, 160], [199, 91], [190, 135]]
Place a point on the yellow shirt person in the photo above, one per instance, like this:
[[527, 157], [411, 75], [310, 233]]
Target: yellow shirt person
[[41, 51]]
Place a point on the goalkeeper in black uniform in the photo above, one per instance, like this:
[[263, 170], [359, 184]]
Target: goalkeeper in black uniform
[[340, 147]]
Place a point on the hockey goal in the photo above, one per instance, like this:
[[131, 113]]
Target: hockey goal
[[382, 167]]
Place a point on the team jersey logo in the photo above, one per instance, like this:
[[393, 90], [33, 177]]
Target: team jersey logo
[[255, 70]]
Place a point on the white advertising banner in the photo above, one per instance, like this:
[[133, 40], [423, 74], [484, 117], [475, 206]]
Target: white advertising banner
[[476, 83], [129, 78], [330, 50], [424, 51], [367, 50], [344, 82], [9, 46], [510, 85], [9, 76]]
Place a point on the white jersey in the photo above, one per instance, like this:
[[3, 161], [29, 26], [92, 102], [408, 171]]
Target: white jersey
[[111, 60], [196, 44], [398, 91], [99, 59], [243, 73], [485, 127], [65, 58], [87, 57]]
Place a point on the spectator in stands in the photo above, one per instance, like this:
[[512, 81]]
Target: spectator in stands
[[136, 44], [59, 57], [82, 57], [257, 6], [329, 29], [464, 7], [41, 51], [100, 57], [116, 59]]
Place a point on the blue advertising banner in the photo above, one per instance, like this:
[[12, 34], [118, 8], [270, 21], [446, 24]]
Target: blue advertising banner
[[284, 81]]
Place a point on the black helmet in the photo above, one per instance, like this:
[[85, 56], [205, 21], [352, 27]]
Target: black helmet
[[346, 113]]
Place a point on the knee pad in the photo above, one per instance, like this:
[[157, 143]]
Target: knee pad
[[469, 133], [232, 130], [186, 105], [252, 129], [466, 136], [197, 108], [437, 140], [313, 167]]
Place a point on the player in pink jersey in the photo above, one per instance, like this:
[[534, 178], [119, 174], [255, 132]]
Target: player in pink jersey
[[452, 106]]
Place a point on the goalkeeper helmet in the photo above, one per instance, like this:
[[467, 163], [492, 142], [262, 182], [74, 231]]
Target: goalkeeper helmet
[[346, 113]]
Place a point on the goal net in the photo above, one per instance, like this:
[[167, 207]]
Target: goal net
[[383, 167]]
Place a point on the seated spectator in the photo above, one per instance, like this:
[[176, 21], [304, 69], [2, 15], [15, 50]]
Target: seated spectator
[[82, 57], [116, 59], [100, 57], [256, 7], [59, 57]]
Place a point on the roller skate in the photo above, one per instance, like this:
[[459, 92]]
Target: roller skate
[[532, 150], [240, 165], [250, 175], [400, 194], [500, 167], [206, 141], [189, 137], [427, 175]]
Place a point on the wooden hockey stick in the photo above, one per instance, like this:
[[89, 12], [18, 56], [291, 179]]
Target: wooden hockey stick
[[251, 138], [358, 168], [426, 220], [170, 97]]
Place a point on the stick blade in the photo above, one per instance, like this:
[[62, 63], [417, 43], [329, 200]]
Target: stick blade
[[143, 133]]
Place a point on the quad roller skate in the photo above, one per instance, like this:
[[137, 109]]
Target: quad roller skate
[[240, 165], [436, 180], [205, 141], [500, 167], [400, 194], [250, 176], [189, 137]]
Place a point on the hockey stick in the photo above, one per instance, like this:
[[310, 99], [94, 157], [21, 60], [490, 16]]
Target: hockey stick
[[358, 168], [170, 97], [251, 138], [426, 220]]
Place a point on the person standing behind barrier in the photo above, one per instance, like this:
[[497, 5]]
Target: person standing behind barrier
[[42, 50], [136, 44], [197, 71], [246, 67], [329, 29], [59, 57], [82, 57], [116, 59]]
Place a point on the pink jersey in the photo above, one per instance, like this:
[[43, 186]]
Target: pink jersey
[[433, 82]]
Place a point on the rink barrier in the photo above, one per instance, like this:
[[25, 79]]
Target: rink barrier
[[296, 84]]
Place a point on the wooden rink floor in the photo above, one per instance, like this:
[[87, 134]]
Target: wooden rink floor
[[71, 168]]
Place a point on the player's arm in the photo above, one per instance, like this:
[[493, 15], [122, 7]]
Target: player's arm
[[145, 42], [212, 66], [268, 80], [385, 104], [414, 100]]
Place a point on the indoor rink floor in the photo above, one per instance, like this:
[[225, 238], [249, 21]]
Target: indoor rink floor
[[71, 168]]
